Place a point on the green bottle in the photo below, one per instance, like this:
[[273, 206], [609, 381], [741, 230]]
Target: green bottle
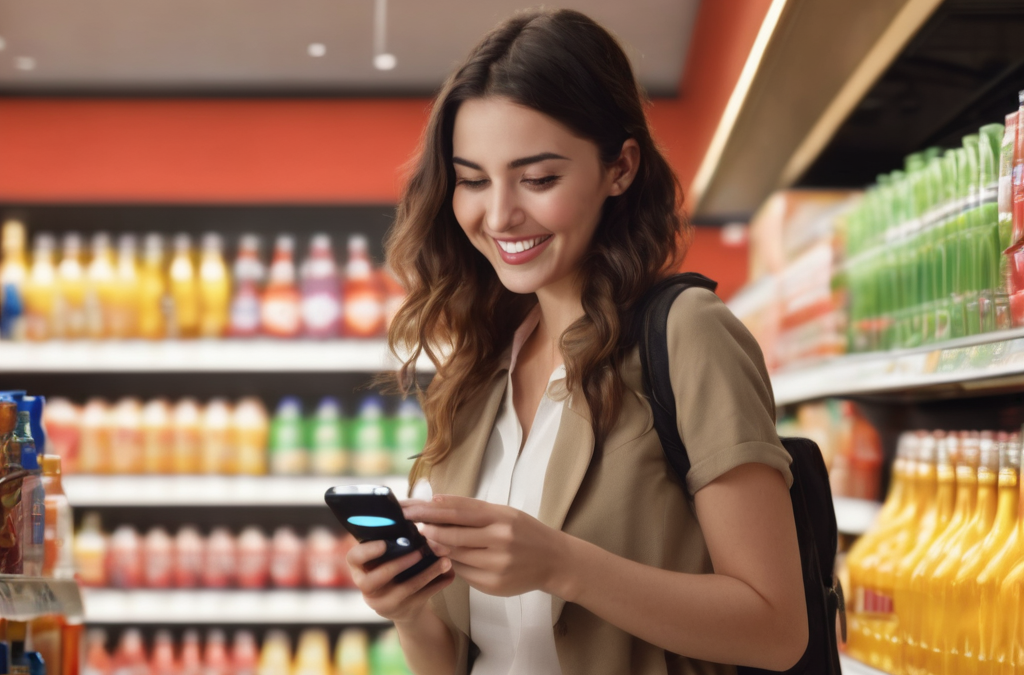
[[973, 270], [386, 657], [371, 456], [995, 303], [410, 436], [328, 453], [288, 456], [957, 239]]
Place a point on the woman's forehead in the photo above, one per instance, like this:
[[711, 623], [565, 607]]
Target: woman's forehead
[[498, 130]]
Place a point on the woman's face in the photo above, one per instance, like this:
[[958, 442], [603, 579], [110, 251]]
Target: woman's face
[[528, 193]]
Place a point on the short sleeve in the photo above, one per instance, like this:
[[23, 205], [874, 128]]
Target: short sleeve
[[724, 403]]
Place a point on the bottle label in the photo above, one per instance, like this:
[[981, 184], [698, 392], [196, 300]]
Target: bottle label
[[363, 315], [245, 313], [320, 311], [873, 601], [281, 316]]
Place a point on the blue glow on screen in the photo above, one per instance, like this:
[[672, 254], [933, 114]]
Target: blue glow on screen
[[371, 521]]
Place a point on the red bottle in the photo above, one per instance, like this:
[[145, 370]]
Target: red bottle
[[130, 658], [286, 559], [362, 297], [215, 656], [188, 557], [163, 661], [125, 561], [280, 311], [253, 559], [244, 654], [245, 302], [220, 566], [97, 660], [191, 661], [158, 556]]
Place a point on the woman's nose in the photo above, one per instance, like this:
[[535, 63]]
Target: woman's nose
[[503, 211]]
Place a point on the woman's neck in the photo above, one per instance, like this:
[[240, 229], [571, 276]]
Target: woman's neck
[[560, 307]]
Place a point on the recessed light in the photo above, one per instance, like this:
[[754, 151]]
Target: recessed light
[[385, 61], [316, 50], [25, 63]]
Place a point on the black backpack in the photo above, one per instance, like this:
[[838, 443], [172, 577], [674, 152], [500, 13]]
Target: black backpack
[[812, 497]]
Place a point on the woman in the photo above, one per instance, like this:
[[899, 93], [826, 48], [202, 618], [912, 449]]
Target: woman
[[538, 215]]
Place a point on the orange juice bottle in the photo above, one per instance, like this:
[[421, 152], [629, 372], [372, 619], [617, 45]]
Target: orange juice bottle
[[157, 438], [214, 288], [932, 523], [276, 654], [124, 301], [312, 656], [126, 452], [187, 440], [217, 455], [100, 282], [41, 290], [94, 441], [250, 429], [153, 298], [184, 290], [70, 314], [863, 556]]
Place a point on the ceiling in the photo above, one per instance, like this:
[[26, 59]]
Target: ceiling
[[293, 47]]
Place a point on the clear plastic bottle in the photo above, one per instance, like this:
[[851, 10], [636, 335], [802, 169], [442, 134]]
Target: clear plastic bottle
[[163, 661], [244, 653], [328, 454], [97, 659], [250, 428], [215, 654], [214, 288], [126, 450], [58, 535], [130, 657], [369, 440], [191, 655], [157, 438], [90, 546], [187, 436], [217, 455]]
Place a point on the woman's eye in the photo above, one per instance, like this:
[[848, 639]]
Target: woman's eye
[[539, 182], [471, 183]]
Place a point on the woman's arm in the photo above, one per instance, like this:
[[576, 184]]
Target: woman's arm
[[427, 643]]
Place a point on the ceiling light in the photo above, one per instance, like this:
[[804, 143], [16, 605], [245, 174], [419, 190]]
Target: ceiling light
[[382, 59], [385, 61], [25, 63], [316, 50]]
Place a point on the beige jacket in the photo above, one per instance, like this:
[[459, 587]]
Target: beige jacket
[[624, 496]]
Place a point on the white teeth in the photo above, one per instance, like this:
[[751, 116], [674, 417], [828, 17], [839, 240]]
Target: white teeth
[[519, 246]]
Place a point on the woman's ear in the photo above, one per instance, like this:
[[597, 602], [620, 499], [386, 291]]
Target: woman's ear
[[623, 170]]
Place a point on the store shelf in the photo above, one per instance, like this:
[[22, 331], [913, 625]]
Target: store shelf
[[220, 356], [979, 364], [852, 666], [855, 516], [278, 607], [23, 598], [169, 491]]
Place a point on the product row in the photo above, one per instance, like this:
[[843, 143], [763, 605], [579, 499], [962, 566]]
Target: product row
[[935, 587], [126, 293], [158, 437], [355, 653], [252, 560]]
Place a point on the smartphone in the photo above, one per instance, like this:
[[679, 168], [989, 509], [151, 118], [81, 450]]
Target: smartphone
[[371, 512]]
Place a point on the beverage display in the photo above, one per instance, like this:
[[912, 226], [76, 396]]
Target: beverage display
[[13, 273], [321, 290], [248, 275], [362, 297], [41, 289], [280, 309], [58, 533], [214, 288]]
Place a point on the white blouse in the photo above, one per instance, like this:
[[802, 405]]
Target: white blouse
[[515, 634]]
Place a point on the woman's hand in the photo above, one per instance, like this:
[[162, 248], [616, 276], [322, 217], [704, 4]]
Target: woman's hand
[[497, 549], [399, 602]]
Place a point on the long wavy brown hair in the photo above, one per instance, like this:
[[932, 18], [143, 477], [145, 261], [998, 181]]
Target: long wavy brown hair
[[563, 64]]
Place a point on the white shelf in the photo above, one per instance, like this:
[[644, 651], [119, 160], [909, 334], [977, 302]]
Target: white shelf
[[107, 491], [253, 356], [855, 516], [977, 364], [227, 607], [24, 598], [852, 666]]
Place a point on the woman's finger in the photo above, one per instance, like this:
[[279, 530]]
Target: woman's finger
[[360, 554], [436, 569], [453, 511], [383, 574], [457, 537]]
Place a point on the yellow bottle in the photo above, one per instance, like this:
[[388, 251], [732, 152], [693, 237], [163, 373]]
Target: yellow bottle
[[124, 302], [70, 315], [352, 653], [153, 297], [276, 654], [867, 551], [41, 290], [184, 290], [100, 284], [932, 524], [313, 655], [1010, 607], [964, 604], [214, 288], [13, 272]]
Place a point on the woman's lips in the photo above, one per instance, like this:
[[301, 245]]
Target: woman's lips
[[524, 257]]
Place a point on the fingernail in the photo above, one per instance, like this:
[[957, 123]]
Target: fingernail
[[446, 565]]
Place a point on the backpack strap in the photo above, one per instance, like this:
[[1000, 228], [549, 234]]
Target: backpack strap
[[653, 343]]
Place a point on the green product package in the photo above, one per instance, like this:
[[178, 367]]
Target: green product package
[[410, 436], [288, 456], [369, 440], [386, 657], [328, 452]]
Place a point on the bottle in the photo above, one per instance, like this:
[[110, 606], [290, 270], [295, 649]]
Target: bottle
[[100, 282], [214, 288], [16, 634], [189, 556], [71, 644], [124, 300], [321, 290], [286, 559], [371, 456], [90, 546], [994, 308], [63, 427], [215, 655], [33, 497], [253, 558], [250, 428], [95, 438], [276, 655], [187, 437], [163, 661], [352, 653], [362, 296], [321, 563], [126, 451], [97, 660], [1017, 180], [157, 438], [130, 657], [312, 656], [329, 456], [288, 456], [410, 437], [13, 273], [248, 274], [394, 296], [154, 300], [58, 554], [184, 290], [41, 290], [124, 569], [157, 559], [70, 319], [386, 656], [191, 656], [216, 454], [11, 527], [281, 306], [244, 653], [221, 563], [345, 543], [46, 641]]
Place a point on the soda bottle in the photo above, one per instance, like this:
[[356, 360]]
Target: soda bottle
[[187, 436], [312, 656], [276, 655], [124, 300], [217, 455], [214, 288], [410, 431], [184, 290], [280, 311], [97, 660], [250, 430], [288, 456], [154, 300], [286, 559], [58, 533], [90, 545], [126, 456], [100, 283], [95, 438], [163, 661], [157, 438], [33, 495], [244, 654], [158, 559], [62, 420], [191, 656], [371, 456], [321, 563], [321, 292], [253, 558], [329, 455], [70, 320], [221, 564], [41, 290], [245, 303], [130, 657], [352, 652], [215, 655], [189, 554], [13, 273], [125, 564], [362, 296]]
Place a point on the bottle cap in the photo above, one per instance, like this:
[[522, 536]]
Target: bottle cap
[[44, 242], [100, 242], [13, 237], [212, 242], [51, 465], [290, 406], [182, 242], [285, 243]]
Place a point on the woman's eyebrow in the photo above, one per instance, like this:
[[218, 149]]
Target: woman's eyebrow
[[514, 164]]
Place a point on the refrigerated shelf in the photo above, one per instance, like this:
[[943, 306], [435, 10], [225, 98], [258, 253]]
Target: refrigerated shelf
[[852, 666], [230, 491], [215, 356], [24, 598], [328, 606]]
